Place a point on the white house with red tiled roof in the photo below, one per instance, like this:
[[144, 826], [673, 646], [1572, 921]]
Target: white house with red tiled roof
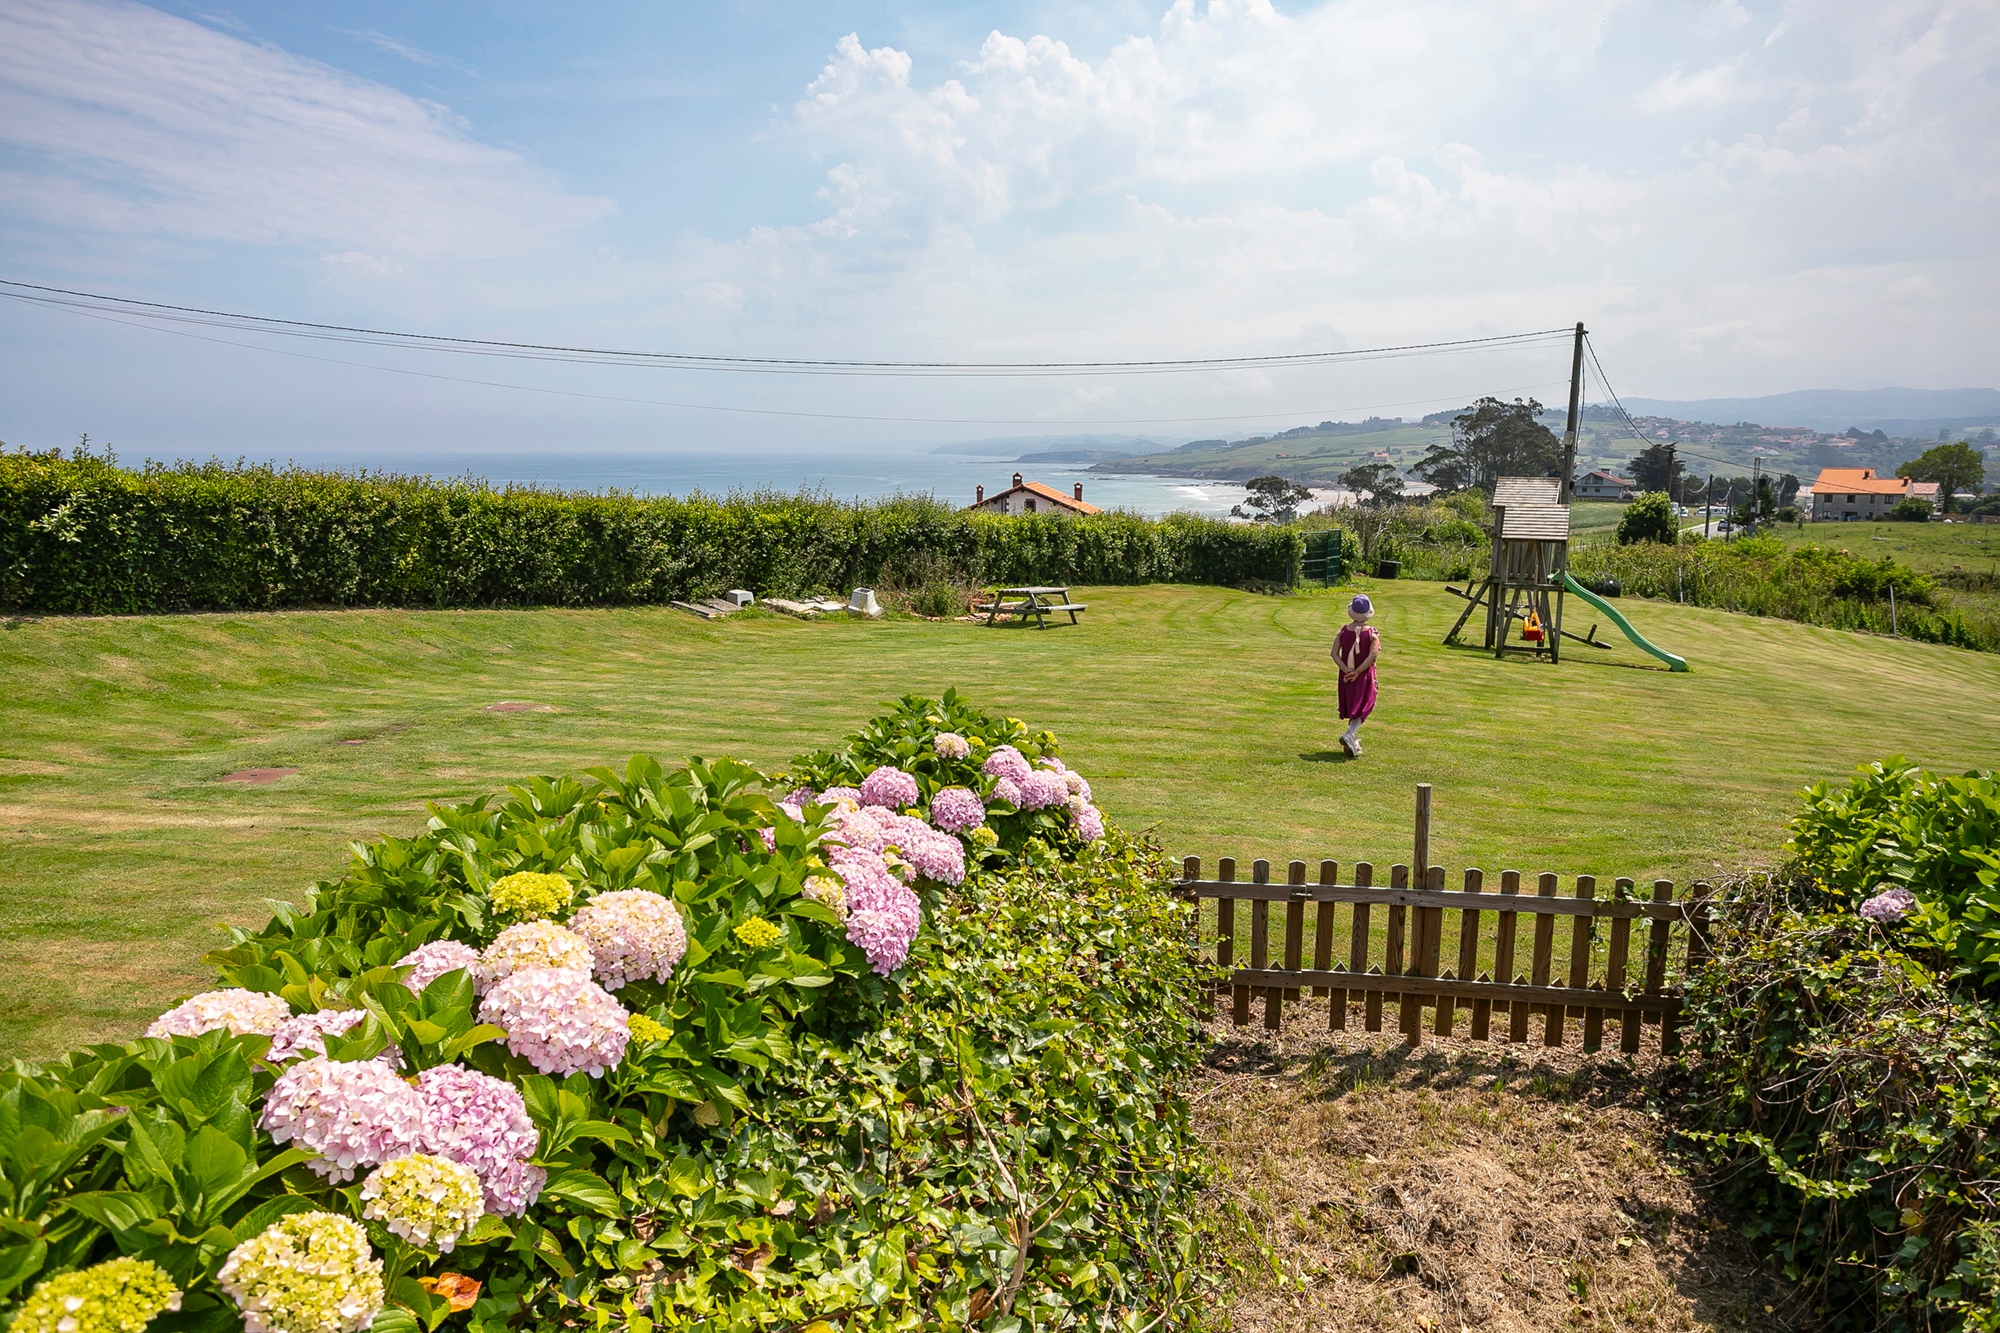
[[1031, 497], [1841, 494], [1601, 485]]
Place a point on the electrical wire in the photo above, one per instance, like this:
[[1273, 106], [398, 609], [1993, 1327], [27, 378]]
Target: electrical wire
[[193, 315], [1631, 426], [760, 411]]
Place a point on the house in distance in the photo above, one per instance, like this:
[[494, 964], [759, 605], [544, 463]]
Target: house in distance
[[1031, 497], [1841, 494], [1602, 485]]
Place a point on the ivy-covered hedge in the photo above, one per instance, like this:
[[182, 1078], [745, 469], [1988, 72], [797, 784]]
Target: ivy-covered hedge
[[81, 535], [792, 1133], [1843, 1056]]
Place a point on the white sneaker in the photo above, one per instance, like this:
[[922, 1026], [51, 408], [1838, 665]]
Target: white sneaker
[[1348, 744], [1354, 747]]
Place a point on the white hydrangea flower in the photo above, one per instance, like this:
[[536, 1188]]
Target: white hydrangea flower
[[305, 1273], [634, 935], [240, 1011], [426, 1200], [530, 946]]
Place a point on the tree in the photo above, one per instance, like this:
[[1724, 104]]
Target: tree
[[1954, 467], [1656, 469], [1492, 440], [1271, 500], [1911, 509], [1379, 482], [1650, 518]]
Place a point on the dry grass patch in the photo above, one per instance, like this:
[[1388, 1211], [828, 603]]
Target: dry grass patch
[[1456, 1186]]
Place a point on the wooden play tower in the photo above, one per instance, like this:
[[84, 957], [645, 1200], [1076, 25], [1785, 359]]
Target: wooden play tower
[[1524, 582]]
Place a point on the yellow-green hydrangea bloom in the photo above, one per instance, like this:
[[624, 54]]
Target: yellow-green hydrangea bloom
[[305, 1273], [428, 1201], [984, 836], [118, 1296], [530, 895], [757, 933], [644, 1029]]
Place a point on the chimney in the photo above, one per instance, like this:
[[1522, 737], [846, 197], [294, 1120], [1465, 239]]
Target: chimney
[[1079, 492], [978, 494], [1017, 479]]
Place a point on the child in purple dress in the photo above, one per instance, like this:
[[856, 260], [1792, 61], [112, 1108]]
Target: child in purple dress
[[1356, 649]]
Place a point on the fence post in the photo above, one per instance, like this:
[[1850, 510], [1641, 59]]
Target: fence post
[[1420, 864]]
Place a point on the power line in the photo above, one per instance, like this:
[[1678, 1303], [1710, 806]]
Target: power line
[[162, 311], [1632, 426], [763, 411]]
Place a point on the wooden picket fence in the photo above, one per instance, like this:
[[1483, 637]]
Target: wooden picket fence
[[1630, 989]]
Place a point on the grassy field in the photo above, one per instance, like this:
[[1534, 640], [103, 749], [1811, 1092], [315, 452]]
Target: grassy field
[[1932, 547], [1206, 712]]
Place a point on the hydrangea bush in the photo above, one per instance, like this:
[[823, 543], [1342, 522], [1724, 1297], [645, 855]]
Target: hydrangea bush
[[654, 1048]]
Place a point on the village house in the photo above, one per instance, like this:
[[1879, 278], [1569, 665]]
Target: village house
[[1602, 485], [1856, 494], [1031, 497]]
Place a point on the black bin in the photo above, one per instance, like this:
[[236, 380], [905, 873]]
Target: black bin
[[1388, 569]]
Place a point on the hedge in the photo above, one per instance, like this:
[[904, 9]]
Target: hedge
[[82, 535], [777, 1127]]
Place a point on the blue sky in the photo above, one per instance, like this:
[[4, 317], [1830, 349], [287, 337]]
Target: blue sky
[[1738, 198]]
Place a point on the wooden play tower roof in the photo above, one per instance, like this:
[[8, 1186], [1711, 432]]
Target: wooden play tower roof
[[1530, 509]]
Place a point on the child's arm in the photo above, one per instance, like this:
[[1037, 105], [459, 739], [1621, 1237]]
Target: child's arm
[[1374, 651]]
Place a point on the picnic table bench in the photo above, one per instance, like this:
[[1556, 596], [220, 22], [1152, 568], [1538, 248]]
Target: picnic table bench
[[1037, 602]]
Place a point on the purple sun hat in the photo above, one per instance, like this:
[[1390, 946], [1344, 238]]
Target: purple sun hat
[[1361, 606]]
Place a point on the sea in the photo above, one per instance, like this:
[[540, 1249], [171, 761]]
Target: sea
[[866, 475]]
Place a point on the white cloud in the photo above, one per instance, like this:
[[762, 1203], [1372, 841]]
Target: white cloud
[[126, 119]]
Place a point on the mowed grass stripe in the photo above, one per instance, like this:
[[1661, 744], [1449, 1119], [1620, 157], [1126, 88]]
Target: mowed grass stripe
[[1204, 712]]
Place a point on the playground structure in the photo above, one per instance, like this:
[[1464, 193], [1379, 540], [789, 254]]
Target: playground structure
[[1528, 577]]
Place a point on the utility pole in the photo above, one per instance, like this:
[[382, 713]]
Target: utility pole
[[1708, 513], [1575, 400]]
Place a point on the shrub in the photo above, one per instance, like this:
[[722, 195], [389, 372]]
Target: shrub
[[1910, 509], [1813, 584], [1843, 1057], [80, 535], [1649, 518], [991, 1130]]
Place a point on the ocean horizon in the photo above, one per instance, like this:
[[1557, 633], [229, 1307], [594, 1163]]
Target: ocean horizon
[[845, 475]]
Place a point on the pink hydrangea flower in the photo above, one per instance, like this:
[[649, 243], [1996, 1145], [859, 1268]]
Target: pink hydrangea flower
[[1006, 792], [1042, 789], [483, 1123], [633, 934], [799, 798], [1890, 905], [769, 837], [1088, 822], [1006, 763], [530, 946], [882, 914], [955, 810], [950, 745], [840, 796], [305, 1034], [558, 1020], [428, 962], [1077, 786], [352, 1113], [890, 788]]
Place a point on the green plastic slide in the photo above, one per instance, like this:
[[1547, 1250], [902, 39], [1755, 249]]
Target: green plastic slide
[[1638, 640]]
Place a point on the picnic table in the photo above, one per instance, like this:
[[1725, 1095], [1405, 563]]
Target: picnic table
[[1037, 602]]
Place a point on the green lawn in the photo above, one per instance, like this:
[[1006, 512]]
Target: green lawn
[[1204, 711]]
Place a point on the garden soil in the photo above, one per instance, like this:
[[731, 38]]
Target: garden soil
[[1367, 1185]]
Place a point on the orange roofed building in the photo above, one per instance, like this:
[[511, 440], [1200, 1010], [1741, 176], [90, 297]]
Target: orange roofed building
[[1031, 497], [1856, 493]]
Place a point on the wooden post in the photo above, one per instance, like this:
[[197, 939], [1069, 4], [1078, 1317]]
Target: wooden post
[[1420, 864], [1468, 957], [1545, 937], [1295, 924], [1393, 964], [1503, 959], [1260, 924], [1583, 930], [1656, 947], [1371, 1001], [1190, 872], [1329, 875], [1225, 946], [1614, 968]]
